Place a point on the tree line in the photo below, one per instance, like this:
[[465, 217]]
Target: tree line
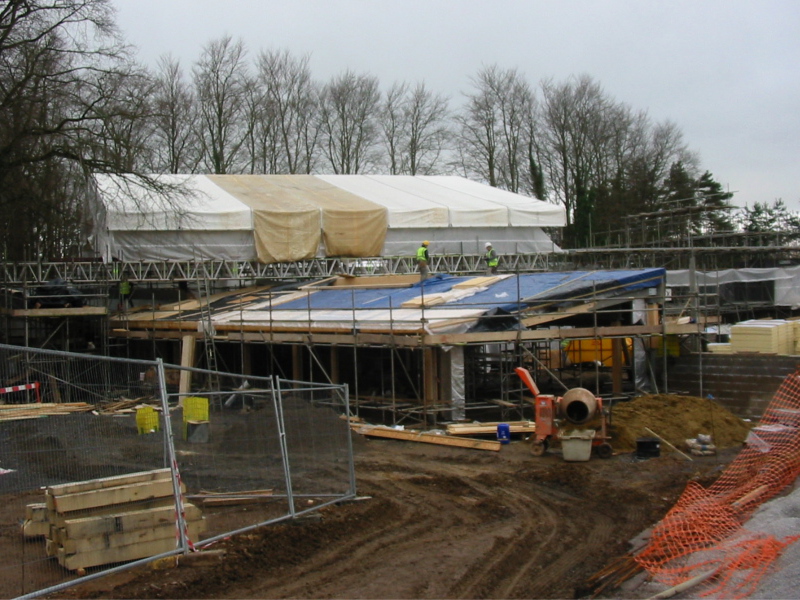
[[74, 101]]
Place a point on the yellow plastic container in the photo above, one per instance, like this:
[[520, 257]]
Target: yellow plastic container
[[195, 410], [147, 420]]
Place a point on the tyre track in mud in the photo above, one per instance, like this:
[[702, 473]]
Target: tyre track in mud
[[415, 533], [443, 523]]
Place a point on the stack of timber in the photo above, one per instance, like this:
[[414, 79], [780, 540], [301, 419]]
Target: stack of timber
[[110, 520], [483, 428], [423, 436], [14, 412]]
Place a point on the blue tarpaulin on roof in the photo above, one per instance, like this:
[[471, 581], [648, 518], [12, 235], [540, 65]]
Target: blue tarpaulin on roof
[[506, 295], [539, 288]]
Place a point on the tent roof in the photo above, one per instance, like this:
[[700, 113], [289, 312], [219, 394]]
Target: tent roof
[[442, 201], [427, 202], [199, 205]]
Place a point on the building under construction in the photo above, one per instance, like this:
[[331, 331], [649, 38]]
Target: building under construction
[[313, 278]]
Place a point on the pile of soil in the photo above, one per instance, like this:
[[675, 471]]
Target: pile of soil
[[676, 419]]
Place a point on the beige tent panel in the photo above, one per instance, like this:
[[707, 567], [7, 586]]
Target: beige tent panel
[[351, 225], [286, 226]]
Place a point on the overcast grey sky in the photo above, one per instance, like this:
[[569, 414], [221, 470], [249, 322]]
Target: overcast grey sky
[[727, 72]]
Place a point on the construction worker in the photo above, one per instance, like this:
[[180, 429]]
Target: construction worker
[[423, 258], [125, 292], [492, 260]]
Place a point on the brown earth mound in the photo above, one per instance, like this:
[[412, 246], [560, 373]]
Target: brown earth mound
[[676, 419]]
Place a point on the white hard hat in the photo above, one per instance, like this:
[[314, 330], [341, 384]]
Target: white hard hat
[[487, 244]]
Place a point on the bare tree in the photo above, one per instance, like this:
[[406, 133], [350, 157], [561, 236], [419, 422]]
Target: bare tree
[[221, 83], [494, 128], [576, 119], [127, 128], [348, 122], [61, 64], [291, 99], [414, 125], [175, 145]]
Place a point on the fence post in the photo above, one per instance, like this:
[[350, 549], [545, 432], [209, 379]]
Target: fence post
[[351, 467], [277, 400], [169, 442]]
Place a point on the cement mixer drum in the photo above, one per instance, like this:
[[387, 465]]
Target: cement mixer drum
[[578, 406]]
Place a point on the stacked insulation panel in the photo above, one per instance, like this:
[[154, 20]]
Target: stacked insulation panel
[[763, 336]]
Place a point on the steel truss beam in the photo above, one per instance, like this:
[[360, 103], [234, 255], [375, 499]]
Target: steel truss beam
[[89, 272]]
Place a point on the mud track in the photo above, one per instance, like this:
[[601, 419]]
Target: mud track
[[442, 523]]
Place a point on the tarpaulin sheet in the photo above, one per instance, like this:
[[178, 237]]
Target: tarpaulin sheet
[[286, 224], [538, 288], [533, 288], [404, 209], [189, 218], [351, 225], [375, 298], [786, 281]]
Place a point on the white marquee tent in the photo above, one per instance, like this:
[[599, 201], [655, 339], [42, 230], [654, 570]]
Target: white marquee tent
[[278, 218]]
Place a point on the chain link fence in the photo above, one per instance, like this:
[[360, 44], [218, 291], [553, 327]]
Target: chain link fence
[[107, 463]]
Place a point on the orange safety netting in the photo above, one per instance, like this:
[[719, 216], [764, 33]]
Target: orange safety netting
[[703, 537]]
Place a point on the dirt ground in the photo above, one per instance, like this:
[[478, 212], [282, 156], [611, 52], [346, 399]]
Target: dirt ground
[[441, 522]]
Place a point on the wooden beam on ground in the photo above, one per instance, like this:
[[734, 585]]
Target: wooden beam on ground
[[120, 539], [101, 526], [108, 482], [490, 428], [421, 436], [136, 492]]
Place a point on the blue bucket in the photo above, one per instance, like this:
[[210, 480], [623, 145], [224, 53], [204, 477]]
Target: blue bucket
[[503, 433]]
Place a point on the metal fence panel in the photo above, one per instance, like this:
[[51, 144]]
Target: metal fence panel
[[228, 450], [318, 441], [105, 463], [65, 438]]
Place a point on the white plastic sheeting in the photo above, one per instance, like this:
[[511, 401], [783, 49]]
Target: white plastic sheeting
[[787, 281], [457, 382], [200, 206]]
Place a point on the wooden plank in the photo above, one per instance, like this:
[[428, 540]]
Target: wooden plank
[[428, 438], [127, 538], [84, 311], [116, 495], [94, 526], [58, 519], [34, 529], [107, 482], [135, 551], [188, 346], [36, 511], [490, 428]]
